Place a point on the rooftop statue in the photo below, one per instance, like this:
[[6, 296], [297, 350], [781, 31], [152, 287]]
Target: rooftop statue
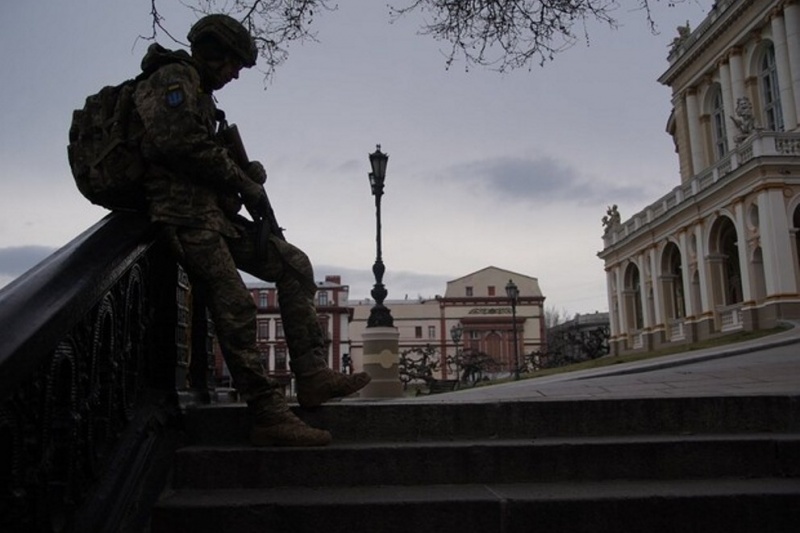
[[683, 35], [612, 219]]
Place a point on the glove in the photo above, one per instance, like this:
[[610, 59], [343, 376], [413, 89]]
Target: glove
[[255, 171], [255, 198], [230, 203]]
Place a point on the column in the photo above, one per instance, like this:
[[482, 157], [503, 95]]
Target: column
[[686, 282], [728, 103], [737, 75], [610, 294], [706, 300], [695, 137], [621, 303], [744, 255], [791, 15], [776, 245], [784, 74], [658, 317]]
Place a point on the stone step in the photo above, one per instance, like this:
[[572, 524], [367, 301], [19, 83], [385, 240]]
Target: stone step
[[399, 421], [490, 461], [711, 506]]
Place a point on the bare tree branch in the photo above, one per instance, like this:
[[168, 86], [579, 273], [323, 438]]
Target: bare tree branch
[[498, 34]]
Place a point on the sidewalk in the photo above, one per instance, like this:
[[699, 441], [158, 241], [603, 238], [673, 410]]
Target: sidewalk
[[770, 365]]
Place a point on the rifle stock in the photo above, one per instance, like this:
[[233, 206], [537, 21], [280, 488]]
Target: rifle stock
[[232, 141]]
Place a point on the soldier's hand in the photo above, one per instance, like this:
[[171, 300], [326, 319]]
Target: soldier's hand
[[230, 203], [255, 198], [255, 171]]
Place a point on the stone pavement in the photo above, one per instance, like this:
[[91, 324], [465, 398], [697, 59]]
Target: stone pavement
[[766, 366]]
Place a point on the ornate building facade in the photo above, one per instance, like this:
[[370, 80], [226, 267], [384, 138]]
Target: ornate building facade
[[478, 306], [719, 252]]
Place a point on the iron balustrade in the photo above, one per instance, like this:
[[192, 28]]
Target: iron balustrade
[[95, 347]]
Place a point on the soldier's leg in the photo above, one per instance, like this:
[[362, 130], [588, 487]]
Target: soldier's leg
[[208, 262], [291, 271]]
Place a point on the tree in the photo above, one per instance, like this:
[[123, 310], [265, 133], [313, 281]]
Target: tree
[[418, 365], [572, 342], [497, 34], [473, 364], [554, 317]]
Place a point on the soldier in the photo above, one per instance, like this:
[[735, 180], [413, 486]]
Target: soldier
[[189, 184]]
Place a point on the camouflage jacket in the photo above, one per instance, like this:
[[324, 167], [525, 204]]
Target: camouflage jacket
[[187, 169]]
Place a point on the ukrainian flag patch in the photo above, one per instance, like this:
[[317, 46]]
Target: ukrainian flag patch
[[175, 95]]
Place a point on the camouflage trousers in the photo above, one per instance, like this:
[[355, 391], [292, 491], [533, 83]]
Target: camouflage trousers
[[211, 260]]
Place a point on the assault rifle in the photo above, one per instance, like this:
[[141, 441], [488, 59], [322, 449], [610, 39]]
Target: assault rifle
[[229, 137]]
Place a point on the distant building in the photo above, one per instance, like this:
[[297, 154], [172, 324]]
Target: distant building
[[719, 252], [478, 304], [584, 337], [334, 316]]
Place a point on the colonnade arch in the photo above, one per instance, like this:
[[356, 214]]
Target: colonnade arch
[[672, 282], [633, 297], [726, 271]]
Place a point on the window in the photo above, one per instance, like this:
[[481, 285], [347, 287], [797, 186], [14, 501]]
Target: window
[[469, 291], [491, 290], [418, 332], [263, 299], [431, 332], [770, 91], [323, 326], [279, 329], [263, 356], [322, 298], [263, 329], [718, 124], [280, 358]]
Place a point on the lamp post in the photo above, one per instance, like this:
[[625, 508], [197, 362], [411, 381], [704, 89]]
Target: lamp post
[[512, 291], [455, 333], [379, 315]]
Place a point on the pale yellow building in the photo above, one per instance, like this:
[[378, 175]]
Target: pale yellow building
[[719, 252], [479, 305]]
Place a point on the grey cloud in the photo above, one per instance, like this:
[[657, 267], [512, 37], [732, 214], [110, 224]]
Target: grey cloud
[[16, 260], [541, 180]]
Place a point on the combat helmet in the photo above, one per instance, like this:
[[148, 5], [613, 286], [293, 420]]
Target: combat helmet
[[228, 32]]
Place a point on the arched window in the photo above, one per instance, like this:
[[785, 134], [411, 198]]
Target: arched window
[[718, 124], [770, 91]]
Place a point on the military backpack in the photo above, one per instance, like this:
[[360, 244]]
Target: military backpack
[[104, 148]]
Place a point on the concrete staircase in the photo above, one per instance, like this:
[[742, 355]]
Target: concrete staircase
[[710, 464]]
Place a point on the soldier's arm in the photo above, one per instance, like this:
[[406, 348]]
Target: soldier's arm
[[169, 104]]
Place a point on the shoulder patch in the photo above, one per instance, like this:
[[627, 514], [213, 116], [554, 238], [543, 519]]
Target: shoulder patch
[[175, 95]]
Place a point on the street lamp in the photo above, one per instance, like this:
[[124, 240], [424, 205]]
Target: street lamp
[[512, 291], [379, 315], [455, 333]]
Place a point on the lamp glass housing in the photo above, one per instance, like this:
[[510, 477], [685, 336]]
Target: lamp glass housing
[[456, 332], [378, 161], [512, 291]]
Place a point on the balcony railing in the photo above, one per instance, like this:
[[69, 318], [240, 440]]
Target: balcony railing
[[730, 317], [95, 343], [759, 144], [677, 330]]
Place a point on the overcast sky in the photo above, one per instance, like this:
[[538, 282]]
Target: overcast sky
[[509, 170]]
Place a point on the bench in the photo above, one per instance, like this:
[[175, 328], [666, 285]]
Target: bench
[[438, 386]]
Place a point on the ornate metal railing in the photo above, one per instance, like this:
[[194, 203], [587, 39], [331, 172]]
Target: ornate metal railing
[[94, 343]]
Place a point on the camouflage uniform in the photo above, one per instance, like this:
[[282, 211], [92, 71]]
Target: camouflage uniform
[[189, 172]]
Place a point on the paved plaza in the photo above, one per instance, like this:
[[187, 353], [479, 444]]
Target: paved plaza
[[766, 366]]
